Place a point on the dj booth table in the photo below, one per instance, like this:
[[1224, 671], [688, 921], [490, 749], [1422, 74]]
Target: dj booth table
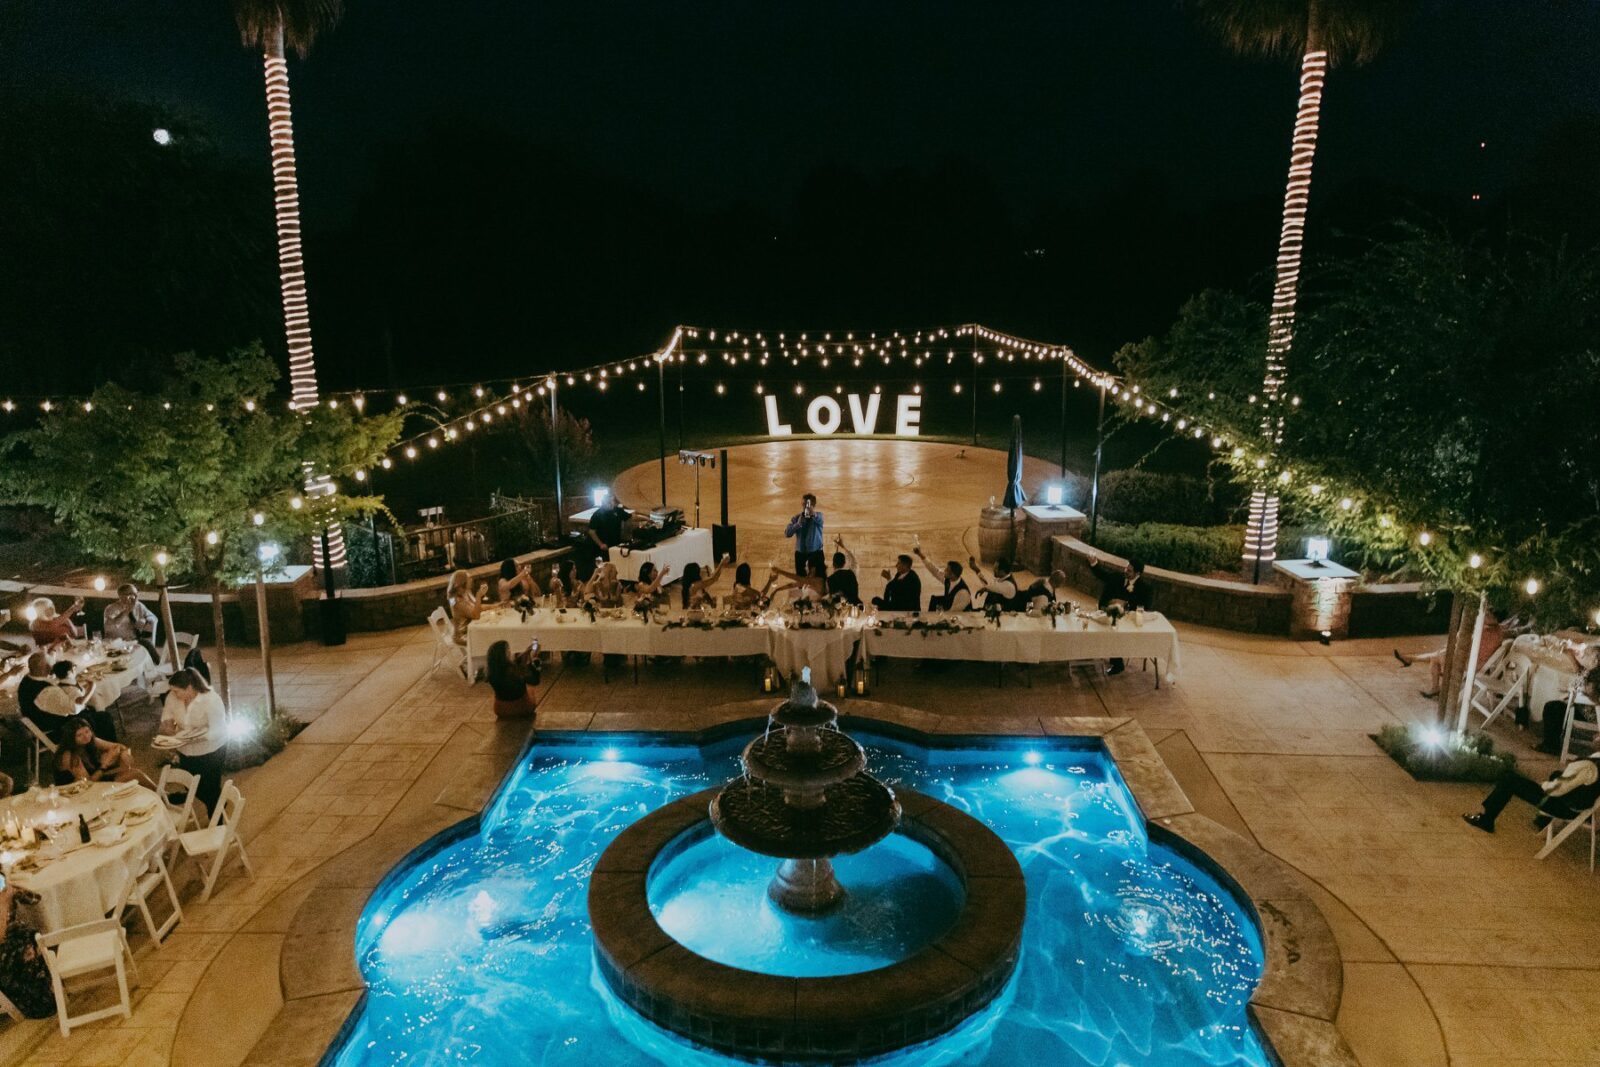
[[691, 545]]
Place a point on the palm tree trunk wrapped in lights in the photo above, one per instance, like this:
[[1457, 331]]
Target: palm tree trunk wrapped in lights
[[1317, 31], [270, 25], [1261, 533]]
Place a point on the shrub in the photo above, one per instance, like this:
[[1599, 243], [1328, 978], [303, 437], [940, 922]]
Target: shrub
[[1135, 496], [1467, 758], [269, 739], [1191, 549]]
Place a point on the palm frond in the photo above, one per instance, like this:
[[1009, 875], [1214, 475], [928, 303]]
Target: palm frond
[[1351, 31], [302, 21]]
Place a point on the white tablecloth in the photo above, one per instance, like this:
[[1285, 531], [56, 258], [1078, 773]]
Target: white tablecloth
[[80, 885], [677, 552], [824, 651], [109, 687], [1020, 639], [1553, 665]]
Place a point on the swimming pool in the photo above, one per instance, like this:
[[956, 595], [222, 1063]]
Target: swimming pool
[[480, 952]]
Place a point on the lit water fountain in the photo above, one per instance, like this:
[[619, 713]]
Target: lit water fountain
[[804, 798]]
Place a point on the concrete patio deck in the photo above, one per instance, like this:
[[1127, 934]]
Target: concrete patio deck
[[1458, 948]]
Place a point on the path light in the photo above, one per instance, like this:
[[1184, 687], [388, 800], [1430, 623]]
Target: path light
[[1433, 737], [240, 729]]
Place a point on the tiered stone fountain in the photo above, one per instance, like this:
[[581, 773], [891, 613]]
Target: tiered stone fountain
[[805, 797]]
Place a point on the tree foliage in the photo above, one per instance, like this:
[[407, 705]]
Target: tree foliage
[[1444, 389], [1351, 31], [133, 471]]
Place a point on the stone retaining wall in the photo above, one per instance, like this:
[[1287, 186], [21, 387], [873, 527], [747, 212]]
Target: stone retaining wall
[[1375, 610]]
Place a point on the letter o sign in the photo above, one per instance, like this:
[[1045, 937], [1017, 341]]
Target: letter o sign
[[824, 415]]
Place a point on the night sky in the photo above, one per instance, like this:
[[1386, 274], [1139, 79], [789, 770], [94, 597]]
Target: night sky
[[726, 110]]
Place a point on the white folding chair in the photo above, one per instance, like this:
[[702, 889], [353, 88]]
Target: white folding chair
[[9, 1009], [88, 948], [182, 815], [1553, 840], [1577, 698], [144, 879], [41, 744], [219, 839], [1498, 686], [445, 649]]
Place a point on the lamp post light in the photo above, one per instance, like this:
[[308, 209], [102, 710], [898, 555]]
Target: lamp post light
[[160, 560]]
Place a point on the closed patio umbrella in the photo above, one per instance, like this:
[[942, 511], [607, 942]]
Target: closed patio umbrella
[[1015, 497]]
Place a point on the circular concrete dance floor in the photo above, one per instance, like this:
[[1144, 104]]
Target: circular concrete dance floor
[[877, 493]]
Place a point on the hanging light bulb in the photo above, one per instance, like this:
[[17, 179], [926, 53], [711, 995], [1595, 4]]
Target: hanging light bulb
[[411, 452], [1474, 561], [1532, 586], [1424, 538], [296, 503], [1347, 503], [387, 463], [401, 400]]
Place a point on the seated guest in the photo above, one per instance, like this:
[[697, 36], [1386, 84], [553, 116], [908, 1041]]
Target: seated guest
[[464, 602], [516, 582], [83, 757], [1001, 589], [193, 711], [66, 697], [605, 588], [697, 590], [50, 629], [37, 680], [1127, 588], [1555, 714], [127, 619], [955, 595], [903, 591], [808, 586], [1494, 636], [1043, 590], [24, 975], [744, 596], [842, 582], [1566, 794], [513, 679], [651, 580], [564, 583]]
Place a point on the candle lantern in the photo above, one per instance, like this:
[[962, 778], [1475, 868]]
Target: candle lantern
[[769, 679], [858, 680]]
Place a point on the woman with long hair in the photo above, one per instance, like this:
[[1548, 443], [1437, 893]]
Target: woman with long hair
[[697, 590], [516, 581], [745, 597], [83, 757], [513, 679], [605, 587], [463, 602], [195, 717]]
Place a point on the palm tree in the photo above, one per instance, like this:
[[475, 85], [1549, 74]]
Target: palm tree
[[269, 25], [1321, 33]]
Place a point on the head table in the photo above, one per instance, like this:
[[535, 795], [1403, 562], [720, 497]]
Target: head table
[[79, 883], [827, 645]]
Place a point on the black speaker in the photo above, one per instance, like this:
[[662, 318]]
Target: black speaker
[[724, 539]]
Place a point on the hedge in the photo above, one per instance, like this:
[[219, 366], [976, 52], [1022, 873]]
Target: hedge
[[1135, 496], [1190, 549]]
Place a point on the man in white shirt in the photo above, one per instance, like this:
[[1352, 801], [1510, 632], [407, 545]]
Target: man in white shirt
[[127, 619], [65, 697], [1001, 589]]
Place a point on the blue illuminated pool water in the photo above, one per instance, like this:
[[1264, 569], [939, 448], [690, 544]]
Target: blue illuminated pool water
[[481, 952]]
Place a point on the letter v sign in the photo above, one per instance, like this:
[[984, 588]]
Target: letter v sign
[[864, 422]]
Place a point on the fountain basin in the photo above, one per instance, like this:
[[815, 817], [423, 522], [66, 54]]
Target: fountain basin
[[711, 896], [838, 1018]]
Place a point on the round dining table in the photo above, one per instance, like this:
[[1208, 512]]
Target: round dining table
[[77, 882]]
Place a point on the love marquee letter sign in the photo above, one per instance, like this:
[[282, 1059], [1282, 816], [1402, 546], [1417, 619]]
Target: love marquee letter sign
[[825, 416]]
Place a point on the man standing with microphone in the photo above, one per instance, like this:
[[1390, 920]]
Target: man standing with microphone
[[806, 529]]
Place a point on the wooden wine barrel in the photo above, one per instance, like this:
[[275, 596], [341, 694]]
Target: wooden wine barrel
[[995, 535]]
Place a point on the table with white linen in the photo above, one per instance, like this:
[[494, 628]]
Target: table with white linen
[[79, 883], [825, 651], [110, 683], [1029, 639], [1551, 666], [691, 545]]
